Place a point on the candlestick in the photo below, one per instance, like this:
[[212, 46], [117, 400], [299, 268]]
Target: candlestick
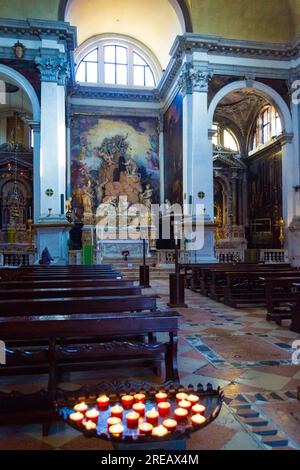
[[112, 421], [170, 424], [198, 409], [180, 414], [92, 415], [181, 396], [164, 408], [132, 419], [117, 411], [76, 417], [139, 397], [103, 402], [139, 408], [159, 431], [145, 428], [152, 417], [161, 397], [198, 419], [193, 399], [186, 405], [127, 400], [116, 430], [81, 407], [90, 425]]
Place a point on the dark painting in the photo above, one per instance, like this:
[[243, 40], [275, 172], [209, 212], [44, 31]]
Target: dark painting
[[173, 160]]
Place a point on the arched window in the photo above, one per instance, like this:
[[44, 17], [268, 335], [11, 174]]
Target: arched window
[[268, 126], [225, 138], [116, 62]]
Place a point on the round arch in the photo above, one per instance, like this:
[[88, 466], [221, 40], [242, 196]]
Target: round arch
[[27, 87], [266, 91], [180, 4]]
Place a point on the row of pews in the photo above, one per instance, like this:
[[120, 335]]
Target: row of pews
[[274, 286], [56, 319]]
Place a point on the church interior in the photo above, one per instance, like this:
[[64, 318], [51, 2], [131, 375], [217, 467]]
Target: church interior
[[113, 335]]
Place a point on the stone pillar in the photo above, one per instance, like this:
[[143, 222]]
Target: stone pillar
[[51, 226], [161, 158], [198, 153]]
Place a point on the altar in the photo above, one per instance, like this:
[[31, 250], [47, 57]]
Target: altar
[[114, 248]]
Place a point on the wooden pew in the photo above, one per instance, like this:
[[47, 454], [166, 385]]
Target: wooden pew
[[249, 287], [50, 330], [65, 283], [73, 305], [281, 297], [47, 292]]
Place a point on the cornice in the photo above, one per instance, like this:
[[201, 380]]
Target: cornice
[[117, 94], [217, 45], [39, 29]]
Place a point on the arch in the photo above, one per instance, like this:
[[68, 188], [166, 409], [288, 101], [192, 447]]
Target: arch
[[177, 4], [262, 89]]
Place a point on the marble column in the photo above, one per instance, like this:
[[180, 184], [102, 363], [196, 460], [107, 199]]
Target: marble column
[[51, 226], [198, 154], [161, 158]]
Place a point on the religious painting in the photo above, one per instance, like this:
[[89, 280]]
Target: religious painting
[[113, 157], [173, 159]]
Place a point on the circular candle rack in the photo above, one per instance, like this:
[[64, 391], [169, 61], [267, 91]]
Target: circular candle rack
[[210, 398]]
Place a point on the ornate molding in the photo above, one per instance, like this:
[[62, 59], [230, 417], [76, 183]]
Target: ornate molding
[[191, 79], [117, 94], [53, 68]]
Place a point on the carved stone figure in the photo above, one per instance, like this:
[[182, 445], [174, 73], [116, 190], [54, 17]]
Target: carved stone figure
[[101, 191], [146, 196], [131, 167]]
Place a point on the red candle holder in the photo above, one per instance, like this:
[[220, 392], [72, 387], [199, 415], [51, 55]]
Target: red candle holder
[[139, 408], [161, 397], [170, 424], [76, 417], [139, 397], [198, 419], [103, 402], [90, 425], [152, 417], [145, 429], [181, 396], [132, 419], [164, 408], [127, 400], [113, 420], [180, 414], [186, 405], [81, 407], [116, 430], [92, 415], [117, 411], [193, 399], [198, 409]]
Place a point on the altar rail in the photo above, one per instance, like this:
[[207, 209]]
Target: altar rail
[[166, 258], [273, 256], [17, 258], [75, 257], [230, 255]]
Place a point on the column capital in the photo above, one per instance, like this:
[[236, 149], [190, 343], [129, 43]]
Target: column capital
[[194, 80], [53, 68], [35, 125]]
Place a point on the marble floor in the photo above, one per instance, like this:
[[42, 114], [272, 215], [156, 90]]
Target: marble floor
[[235, 349]]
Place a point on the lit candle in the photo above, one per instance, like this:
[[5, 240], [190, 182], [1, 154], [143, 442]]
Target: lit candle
[[198, 419], [127, 400], [103, 402], [139, 397], [186, 405], [132, 419], [139, 408], [145, 428], [116, 430], [152, 417], [180, 414], [92, 415], [160, 397], [159, 431], [77, 417], [198, 409], [170, 424], [113, 421], [164, 408], [90, 425], [181, 396], [117, 411], [193, 399], [81, 407]]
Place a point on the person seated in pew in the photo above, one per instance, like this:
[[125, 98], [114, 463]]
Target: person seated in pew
[[46, 257]]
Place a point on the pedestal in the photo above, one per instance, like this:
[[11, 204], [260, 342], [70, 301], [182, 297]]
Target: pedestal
[[144, 276], [176, 283], [53, 234]]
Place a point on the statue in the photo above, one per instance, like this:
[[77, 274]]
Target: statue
[[101, 191], [131, 167], [167, 206], [146, 196], [87, 203]]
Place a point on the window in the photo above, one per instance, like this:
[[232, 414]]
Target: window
[[268, 125], [224, 138], [118, 63]]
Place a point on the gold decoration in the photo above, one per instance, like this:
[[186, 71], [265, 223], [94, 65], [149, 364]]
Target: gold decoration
[[281, 232]]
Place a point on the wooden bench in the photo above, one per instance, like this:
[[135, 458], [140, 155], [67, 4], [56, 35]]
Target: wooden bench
[[281, 297], [65, 283], [72, 305], [295, 325]]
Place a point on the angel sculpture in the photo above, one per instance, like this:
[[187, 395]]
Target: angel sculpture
[[131, 167], [146, 196]]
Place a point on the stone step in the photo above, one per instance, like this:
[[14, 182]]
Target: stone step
[[255, 421], [248, 413], [264, 430], [275, 441]]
